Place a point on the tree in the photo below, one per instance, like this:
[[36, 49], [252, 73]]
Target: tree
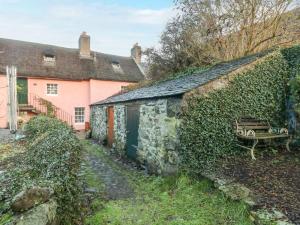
[[207, 31]]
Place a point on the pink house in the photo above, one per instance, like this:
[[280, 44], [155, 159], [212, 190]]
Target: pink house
[[64, 81]]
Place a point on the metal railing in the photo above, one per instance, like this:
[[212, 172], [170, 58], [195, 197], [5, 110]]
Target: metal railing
[[43, 106]]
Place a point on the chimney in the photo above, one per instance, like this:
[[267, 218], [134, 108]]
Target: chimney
[[136, 53], [84, 46]]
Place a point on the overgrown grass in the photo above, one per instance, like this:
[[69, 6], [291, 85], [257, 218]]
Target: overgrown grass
[[174, 201]]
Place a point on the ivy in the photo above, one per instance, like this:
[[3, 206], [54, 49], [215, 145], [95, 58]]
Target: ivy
[[53, 158], [207, 134]]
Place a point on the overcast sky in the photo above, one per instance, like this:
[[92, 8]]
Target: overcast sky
[[114, 25]]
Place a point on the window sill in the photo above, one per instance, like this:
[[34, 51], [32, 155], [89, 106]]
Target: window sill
[[51, 95]]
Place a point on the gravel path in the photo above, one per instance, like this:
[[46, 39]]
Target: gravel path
[[116, 185]]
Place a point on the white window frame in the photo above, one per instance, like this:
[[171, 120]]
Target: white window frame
[[50, 90], [49, 58], [79, 115]]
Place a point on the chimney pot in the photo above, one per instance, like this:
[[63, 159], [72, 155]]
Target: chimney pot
[[136, 53], [84, 45]]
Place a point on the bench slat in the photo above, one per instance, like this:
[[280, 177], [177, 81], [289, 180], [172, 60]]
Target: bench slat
[[255, 127]]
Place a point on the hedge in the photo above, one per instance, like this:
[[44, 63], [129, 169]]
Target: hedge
[[207, 134], [53, 156]]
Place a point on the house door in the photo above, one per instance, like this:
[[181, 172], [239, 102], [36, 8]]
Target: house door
[[110, 126], [22, 91], [132, 127]]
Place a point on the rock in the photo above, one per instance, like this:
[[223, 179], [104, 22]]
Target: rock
[[275, 217], [31, 197], [235, 191], [44, 214]]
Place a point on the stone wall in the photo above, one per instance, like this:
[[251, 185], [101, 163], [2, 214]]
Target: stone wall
[[99, 123], [119, 128], [158, 139]]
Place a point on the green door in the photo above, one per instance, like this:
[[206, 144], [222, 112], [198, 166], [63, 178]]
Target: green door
[[22, 90], [132, 127]]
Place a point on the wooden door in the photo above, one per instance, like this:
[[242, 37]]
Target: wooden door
[[22, 91], [132, 127], [110, 126]]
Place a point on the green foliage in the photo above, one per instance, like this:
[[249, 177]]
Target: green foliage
[[207, 133], [293, 58], [40, 124], [54, 153], [52, 159], [5, 219], [295, 91]]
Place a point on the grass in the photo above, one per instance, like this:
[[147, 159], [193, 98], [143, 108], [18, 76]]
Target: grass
[[5, 219], [174, 200]]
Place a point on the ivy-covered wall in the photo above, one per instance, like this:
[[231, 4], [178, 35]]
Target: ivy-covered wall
[[98, 121], [258, 91], [119, 128]]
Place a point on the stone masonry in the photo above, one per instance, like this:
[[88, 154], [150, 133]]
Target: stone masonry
[[158, 139], [119, 129]]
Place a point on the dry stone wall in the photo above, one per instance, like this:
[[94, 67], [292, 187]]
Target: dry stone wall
[[158, 139]]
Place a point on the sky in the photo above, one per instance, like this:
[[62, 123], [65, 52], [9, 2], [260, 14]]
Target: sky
[[114, 25]]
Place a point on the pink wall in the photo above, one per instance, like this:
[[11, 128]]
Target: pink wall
[[100, 90], [73, 94], [3, 102]]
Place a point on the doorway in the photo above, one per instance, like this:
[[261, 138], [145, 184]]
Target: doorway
[[110, 126], [22, 91], [132, 127]]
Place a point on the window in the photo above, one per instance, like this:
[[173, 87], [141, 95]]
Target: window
[[49, 60], [79, 114], [117, 67], [52, 89]]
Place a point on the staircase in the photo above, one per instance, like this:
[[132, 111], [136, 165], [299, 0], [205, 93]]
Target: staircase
[[39, 105]]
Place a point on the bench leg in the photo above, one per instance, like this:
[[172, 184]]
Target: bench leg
[[253, 148], [287, 145]]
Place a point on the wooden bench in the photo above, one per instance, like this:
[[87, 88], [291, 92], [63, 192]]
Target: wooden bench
[[248, 128]]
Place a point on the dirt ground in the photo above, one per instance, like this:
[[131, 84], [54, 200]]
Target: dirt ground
[[273, 177]]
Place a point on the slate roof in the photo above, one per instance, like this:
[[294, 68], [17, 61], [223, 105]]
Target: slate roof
[[28, 57], [183, 84]]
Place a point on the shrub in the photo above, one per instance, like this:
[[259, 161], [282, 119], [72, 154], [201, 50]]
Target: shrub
[[41, 124], [207, 133], [53, 154]]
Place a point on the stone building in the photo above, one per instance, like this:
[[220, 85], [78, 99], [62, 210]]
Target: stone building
[[144, 124]]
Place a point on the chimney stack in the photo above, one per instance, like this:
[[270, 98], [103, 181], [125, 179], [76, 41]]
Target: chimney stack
[[84, 46], [136, 53]]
